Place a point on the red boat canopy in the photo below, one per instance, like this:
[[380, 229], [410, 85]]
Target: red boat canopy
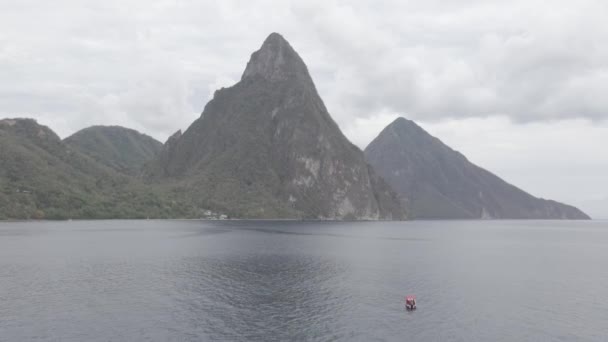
[[410, 297]]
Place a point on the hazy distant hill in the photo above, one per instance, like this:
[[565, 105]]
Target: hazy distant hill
[[438, 182], [41, 177], [267, 147], [120, 148]]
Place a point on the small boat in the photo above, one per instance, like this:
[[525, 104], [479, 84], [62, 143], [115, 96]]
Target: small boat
[[410, 302]]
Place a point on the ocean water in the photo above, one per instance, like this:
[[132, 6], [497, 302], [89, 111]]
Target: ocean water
[[303, 281]]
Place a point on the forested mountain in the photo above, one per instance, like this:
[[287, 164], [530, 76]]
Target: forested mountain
[[122, 149], [42, 177]]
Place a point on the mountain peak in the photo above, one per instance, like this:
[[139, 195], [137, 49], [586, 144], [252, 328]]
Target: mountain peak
[[402, 123], [120, 148], [275, 38], [29, 128], [402, 128], [268, 148], [276, 60], [440, 183]]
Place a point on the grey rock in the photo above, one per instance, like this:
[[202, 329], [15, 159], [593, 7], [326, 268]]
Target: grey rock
[[436, 182], [268, 148]]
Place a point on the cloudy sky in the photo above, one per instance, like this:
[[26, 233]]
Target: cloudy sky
[[520, 87]]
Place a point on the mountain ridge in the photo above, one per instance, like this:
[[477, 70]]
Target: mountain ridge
[[270, 141], [441, 183], [41, 177], [266, 147], [122, 149]]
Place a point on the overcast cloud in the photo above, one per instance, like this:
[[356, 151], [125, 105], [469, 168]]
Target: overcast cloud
[[517, 86]]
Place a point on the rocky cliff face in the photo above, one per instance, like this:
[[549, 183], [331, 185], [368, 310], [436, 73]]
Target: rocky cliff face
[[267, 147], [439, 183]]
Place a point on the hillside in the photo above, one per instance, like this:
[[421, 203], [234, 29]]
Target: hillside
[[122, 149], [267, 148], [43, 178], [437, 182]]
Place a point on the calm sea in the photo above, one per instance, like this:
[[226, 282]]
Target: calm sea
[[283, 281]]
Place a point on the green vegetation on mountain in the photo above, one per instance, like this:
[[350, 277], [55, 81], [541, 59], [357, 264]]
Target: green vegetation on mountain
[[122, 149], [43, 178], [264, 148]]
